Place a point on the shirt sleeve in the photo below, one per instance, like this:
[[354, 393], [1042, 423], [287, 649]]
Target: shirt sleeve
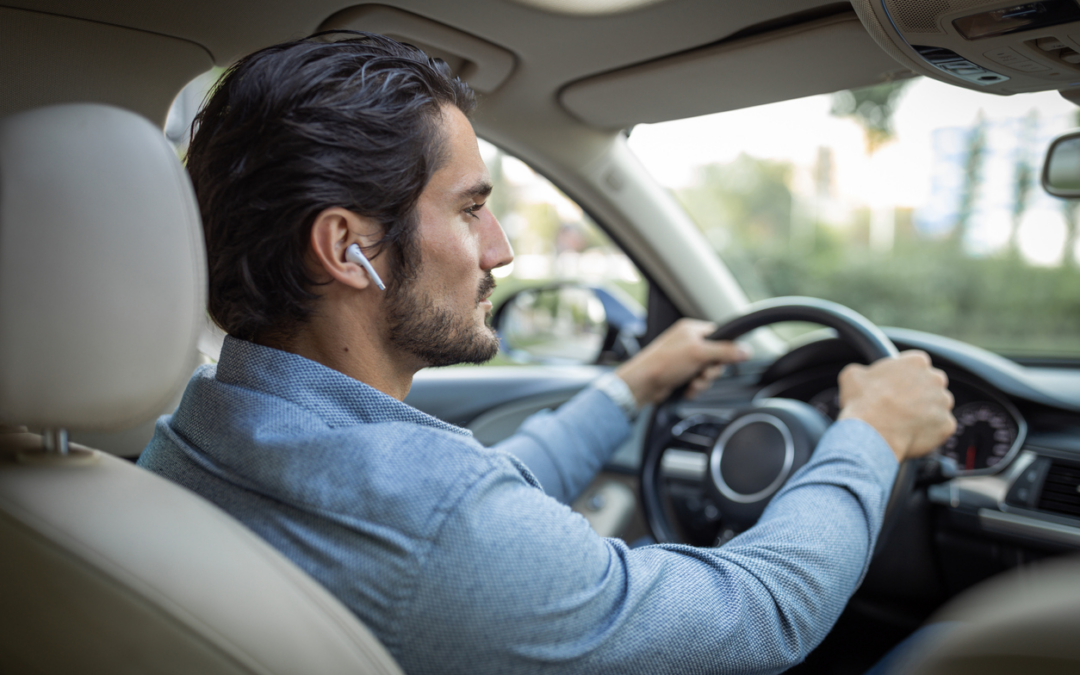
[[565, 448], [517, 583]]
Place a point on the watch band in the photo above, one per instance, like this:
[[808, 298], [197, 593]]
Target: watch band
[[618, 391]]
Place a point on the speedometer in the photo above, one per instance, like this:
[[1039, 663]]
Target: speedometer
[[985, 433]]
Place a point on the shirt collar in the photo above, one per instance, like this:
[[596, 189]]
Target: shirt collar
[[335, 397]]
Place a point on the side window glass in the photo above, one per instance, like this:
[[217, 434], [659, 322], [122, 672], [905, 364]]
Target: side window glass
[[554, 240]]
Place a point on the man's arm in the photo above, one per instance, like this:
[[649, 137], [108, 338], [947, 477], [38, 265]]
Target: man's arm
[[515, 582], [564, 449]]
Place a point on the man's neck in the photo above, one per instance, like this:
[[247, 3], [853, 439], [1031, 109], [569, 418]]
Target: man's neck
[[355, 350]]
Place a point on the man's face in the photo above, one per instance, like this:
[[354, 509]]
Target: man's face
[[441, 317]]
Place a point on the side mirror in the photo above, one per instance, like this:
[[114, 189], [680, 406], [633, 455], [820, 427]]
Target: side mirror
[[1061, 170], [569, 324]]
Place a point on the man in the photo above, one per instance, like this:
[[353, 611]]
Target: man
[[463, 558]]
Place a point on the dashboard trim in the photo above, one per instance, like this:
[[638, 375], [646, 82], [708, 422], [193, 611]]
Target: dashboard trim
[[684, 464], [1013, 524], [980, 491]]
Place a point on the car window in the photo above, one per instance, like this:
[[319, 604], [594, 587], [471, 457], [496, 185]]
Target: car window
[[916, 203], [554, 240]]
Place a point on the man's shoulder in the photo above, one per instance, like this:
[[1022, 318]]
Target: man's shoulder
[[411, 462], [286, 452]]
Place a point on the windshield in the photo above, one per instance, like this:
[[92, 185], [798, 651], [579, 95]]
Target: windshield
[[915, 203]]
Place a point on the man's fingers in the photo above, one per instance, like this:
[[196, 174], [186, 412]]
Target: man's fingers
[[703, 380], [942, 377], [916, 354], [722, 351], [712, 372]]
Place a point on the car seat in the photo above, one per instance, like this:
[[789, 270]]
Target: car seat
[[107, 568]]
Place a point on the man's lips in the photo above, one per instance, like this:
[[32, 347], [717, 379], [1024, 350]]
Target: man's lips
[[487, 286]]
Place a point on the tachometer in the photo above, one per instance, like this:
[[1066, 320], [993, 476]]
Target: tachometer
[[985, 432]]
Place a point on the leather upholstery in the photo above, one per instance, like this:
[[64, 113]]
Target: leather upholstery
[[111, 569], [105, 567], [102, 271], [1025, 621]]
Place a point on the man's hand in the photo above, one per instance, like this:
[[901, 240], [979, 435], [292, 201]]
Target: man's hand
[[905, 399], [679, 355]]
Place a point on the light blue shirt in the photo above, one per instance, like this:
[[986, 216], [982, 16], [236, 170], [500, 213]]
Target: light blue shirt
[[460, 562]]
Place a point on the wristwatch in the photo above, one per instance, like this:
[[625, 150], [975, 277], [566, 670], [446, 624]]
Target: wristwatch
[[618, 391]]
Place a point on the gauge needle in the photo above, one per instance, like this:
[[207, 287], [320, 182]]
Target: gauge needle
[[969, 464]]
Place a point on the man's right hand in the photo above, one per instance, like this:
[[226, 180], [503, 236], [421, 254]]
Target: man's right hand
[[905, 399]]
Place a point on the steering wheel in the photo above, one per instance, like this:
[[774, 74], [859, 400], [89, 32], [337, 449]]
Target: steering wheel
[[744, 458]]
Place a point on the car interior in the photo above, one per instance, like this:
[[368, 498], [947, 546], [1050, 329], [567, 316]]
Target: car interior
[[109, 568]]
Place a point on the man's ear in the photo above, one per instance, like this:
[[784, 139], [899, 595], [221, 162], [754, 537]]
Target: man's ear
[[332, 232]]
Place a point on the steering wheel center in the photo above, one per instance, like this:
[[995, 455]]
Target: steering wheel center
[[752, 458]]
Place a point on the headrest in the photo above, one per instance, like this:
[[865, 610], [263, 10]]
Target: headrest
[[102, 270]]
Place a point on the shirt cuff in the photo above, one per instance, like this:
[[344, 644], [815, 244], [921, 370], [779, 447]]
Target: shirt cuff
[[619, 392]]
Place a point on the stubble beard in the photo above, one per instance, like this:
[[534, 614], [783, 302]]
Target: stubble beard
[[436, 335]]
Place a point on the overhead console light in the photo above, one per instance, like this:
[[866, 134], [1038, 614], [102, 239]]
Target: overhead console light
[[586, 7], [999, 47]]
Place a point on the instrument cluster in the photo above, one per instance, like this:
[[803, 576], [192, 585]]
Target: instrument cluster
[[989, 429]]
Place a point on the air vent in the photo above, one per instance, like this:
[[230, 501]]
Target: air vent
[[1061, 491]]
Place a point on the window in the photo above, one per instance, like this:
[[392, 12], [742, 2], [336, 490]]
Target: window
[[915, 203], [553, 239]]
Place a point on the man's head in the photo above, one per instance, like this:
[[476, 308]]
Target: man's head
[[359, 126]]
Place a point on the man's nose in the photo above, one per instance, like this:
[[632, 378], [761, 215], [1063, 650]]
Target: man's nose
[[497, 251]]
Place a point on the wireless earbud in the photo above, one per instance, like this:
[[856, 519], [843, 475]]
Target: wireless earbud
[[354, 254]]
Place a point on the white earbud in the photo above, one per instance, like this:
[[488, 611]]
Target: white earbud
[[354, 254]]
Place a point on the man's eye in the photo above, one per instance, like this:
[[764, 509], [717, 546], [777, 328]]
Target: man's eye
[[472, 210]]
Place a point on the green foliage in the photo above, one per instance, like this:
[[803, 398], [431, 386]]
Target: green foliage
[[976, 152], [997, 302], [1000, 303]]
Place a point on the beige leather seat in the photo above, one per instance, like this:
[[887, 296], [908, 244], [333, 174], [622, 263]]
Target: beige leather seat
[[106, 568], [1024, 622]]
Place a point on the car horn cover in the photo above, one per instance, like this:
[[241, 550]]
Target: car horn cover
[[752, 458]]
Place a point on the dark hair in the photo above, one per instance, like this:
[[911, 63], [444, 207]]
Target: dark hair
[[298, 128]]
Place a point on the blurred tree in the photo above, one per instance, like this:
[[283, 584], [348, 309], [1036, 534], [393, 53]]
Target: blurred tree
[[873, 108], [997, 302], [969, 192], [1023, 174], [749, 199], [1070, 208]]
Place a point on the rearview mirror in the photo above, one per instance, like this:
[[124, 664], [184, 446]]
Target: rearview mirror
[[1061, 170]]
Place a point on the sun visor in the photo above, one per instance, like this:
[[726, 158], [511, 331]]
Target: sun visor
[[985, 45], [816, 57]]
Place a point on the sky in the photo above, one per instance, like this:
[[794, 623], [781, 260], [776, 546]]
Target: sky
[[793, 130]]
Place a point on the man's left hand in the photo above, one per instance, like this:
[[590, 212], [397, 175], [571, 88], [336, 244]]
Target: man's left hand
[[682, 354]]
